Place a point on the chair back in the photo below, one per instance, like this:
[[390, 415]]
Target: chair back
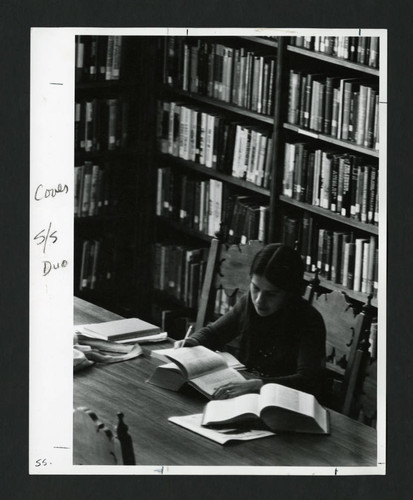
[[227, 271], [96, 444], [343, 354]]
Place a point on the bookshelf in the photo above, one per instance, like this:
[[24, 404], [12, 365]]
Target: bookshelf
[[327, 167], [217, 117], [110, 158], [203, 155]]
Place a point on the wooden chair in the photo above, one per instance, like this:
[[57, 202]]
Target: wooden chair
[[344, 353], [228, 270], [95, 444]]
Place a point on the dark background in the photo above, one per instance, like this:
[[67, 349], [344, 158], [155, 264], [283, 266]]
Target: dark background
[[16, 18]]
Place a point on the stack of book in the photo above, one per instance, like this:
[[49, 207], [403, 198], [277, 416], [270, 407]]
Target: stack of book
[[101, 124], [358, 49], [341, 257], [208, 139], [98, 58], [338, 182], [179, 271], [344, 108], [235, 75]]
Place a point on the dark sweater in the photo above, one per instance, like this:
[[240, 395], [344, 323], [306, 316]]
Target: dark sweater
[[287, 347]]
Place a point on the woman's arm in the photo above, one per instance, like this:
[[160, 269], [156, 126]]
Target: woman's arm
[[223, 330]]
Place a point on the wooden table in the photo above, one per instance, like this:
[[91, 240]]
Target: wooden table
[[122, 387]]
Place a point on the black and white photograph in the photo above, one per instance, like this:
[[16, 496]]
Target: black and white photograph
[[211, 242]]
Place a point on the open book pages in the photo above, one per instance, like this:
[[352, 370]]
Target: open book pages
[[277, 406], [221, 436], [200, 367], [166, 354]]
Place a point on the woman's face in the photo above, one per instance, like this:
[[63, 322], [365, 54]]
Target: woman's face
[[266, 297]]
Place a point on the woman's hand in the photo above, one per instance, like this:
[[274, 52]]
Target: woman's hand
[[234, 389], [185, 343]]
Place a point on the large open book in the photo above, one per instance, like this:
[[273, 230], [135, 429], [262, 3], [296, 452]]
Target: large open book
[[202, 368], [278, 407]]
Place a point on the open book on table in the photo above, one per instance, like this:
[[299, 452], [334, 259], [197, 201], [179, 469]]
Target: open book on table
[[278, 407], [202, 368]]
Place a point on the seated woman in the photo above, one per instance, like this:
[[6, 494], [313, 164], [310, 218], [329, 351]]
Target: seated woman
[[282, 335]]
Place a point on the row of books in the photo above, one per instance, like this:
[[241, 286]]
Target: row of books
[[344, 108], [98, 58], [179, 271], [95, 191], [242, 151], [338, 182], [340, 256], [235, 75], [358, 49], [97, 264], [202, 205], [101, 124]]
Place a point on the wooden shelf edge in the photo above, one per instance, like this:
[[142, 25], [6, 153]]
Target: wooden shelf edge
[[334, 60], [329, 285], [221, 104], [103, 84], [261, 40], [368, 228], [215, 174], [184, 229], [331, 140]]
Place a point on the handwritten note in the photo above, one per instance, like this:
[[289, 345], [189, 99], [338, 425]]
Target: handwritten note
[[48, 236]]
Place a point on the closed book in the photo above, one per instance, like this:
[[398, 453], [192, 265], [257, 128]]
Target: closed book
[[86, 188], [109, 57], [294, 97], [336, 260], [365, 267], [84, 265], [358, 262], [117, 57], [121, 329], [288, 177], [93, 191]]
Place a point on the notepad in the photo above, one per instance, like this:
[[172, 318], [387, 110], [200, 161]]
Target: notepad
[[121, 330], [221, 436]]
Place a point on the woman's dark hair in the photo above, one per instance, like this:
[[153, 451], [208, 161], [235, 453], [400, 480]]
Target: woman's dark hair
[[281, 266]]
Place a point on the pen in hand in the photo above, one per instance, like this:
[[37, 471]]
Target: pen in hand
[[181, 343]]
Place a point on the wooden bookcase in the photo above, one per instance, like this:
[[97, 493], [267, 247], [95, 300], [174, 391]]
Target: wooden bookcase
[[144, 221], [255, 113], [112, 129], [303, 61]]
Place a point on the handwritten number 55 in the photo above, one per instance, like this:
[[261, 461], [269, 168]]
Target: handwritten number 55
[[41, 461]]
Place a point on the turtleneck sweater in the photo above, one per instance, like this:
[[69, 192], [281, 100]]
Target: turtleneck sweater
[[287, 347]]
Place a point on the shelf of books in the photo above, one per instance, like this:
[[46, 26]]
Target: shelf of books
[[105, 172], [215, 140], [328, 168]]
